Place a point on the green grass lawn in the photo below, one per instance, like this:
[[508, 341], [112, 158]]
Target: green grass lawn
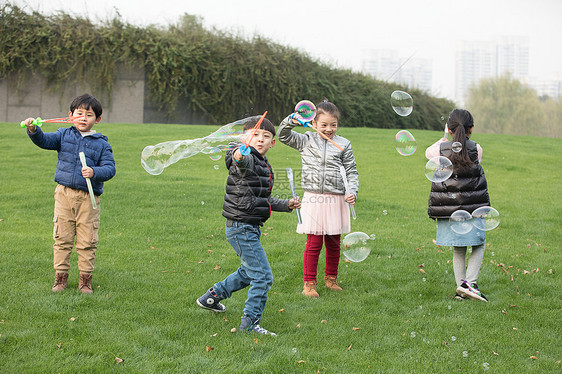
[[162, 245]]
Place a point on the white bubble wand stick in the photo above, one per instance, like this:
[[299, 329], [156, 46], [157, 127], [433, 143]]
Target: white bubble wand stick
[[88, 182], [346, 186], [294, 192]]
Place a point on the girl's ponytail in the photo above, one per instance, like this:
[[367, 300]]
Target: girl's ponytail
[[460, 121]]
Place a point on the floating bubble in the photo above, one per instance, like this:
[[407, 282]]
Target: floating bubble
[[438, 169], [154, 158], [453, 338], [294, 350], [456, 147], [465, 353], [216, 167], [305, 110], [215, 154], [461, 222], [413, 334], [405, 143], [449, 307], [402, 103], [356, 246], [202, 203], [486, 218], [485, 366], [384, 212]]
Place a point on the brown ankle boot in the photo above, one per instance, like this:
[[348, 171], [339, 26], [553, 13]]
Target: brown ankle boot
[[331, 283], [85, 283], [309, 290], [60, 281]]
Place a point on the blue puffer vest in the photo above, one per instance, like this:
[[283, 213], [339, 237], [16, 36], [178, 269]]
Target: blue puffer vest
[[466, 189], [69, 143]]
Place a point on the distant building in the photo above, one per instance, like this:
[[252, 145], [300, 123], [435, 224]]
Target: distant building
[[477, 60], [552, 88], [387, 65]]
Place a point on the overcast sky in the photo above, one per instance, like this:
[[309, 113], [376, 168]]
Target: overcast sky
[[339, 31]]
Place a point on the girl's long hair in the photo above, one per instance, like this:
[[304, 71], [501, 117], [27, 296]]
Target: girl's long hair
[[460, 121]]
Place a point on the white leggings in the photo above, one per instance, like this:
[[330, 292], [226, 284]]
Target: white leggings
[[462, 271]]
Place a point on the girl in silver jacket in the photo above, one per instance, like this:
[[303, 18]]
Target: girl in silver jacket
[[325, 210]]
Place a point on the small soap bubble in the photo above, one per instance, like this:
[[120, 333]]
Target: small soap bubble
[[423, 279], [402, 103], [384, 212], [442, 118], [413, 334], [215, 154], [405, 143], [438, 169], [465, 353], [456, 147], [216, 167], [202, 203], [421, 306], [448, 307], [461, 222], [485, 366], [294, 350], [356, 246], [453, 338], [486, 218]]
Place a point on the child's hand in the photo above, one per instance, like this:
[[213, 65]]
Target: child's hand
[[30, 127], [295, 203], [350, 198], [87, 172]]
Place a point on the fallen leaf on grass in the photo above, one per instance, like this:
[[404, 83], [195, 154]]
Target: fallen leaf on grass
[[348, 348], [119, 360], [208, 348], [72, 319], [200, 262], [515, 328], [255, 340], [422, 271], [59, 345], [281, 310], [533, 357], [355, 328], [215, 334], [504, 311], [298, 325], [301, 362], [217, 267], [323, 321], [346, 260], [233, 329], [495, 353], [549, 271], [421, 265]]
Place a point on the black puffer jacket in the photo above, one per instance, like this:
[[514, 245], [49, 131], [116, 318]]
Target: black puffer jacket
[[466, 189], [248, 190]]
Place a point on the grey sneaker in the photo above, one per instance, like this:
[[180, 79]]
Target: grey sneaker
[[248, 326], [471, 290], [211, 301]]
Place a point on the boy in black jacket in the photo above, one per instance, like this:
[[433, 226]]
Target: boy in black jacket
[[247, 205]]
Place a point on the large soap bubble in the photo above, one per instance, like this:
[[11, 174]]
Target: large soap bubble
[[405, 143], [461, 222], [456, 147], [154, 158], [356, 246], [402, 103], [438, 169], [305, 110], [486, 218]]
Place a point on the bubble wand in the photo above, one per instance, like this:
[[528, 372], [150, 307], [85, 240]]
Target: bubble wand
[[39, 122], [88, 182], [346, 186], [294, 192], [245, 149], [305, 111]]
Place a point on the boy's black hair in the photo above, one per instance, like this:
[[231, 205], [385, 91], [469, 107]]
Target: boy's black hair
[[265, 125], [87, 101]]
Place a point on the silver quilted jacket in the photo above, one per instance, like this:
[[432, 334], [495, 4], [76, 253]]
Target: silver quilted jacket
[[321, 160]]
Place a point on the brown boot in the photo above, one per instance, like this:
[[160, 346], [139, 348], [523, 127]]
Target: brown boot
[[85, 283], [331, 283], [60, 281], [309, 290]]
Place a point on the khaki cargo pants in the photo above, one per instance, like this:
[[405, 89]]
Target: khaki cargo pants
[[75, 219]]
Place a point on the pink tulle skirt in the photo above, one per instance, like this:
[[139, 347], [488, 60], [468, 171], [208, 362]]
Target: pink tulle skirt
[[324, 214]]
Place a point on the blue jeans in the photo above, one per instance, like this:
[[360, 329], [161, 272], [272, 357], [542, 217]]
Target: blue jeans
[[254, 270]]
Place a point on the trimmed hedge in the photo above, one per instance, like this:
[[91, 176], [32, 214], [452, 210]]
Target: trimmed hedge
[[212, 71]]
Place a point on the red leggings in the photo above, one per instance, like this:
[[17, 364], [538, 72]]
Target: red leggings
[[312, 253]]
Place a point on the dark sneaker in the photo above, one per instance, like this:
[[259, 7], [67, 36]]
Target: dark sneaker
[[246, 325], [472, 291], [211, 301], [460, 297]]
